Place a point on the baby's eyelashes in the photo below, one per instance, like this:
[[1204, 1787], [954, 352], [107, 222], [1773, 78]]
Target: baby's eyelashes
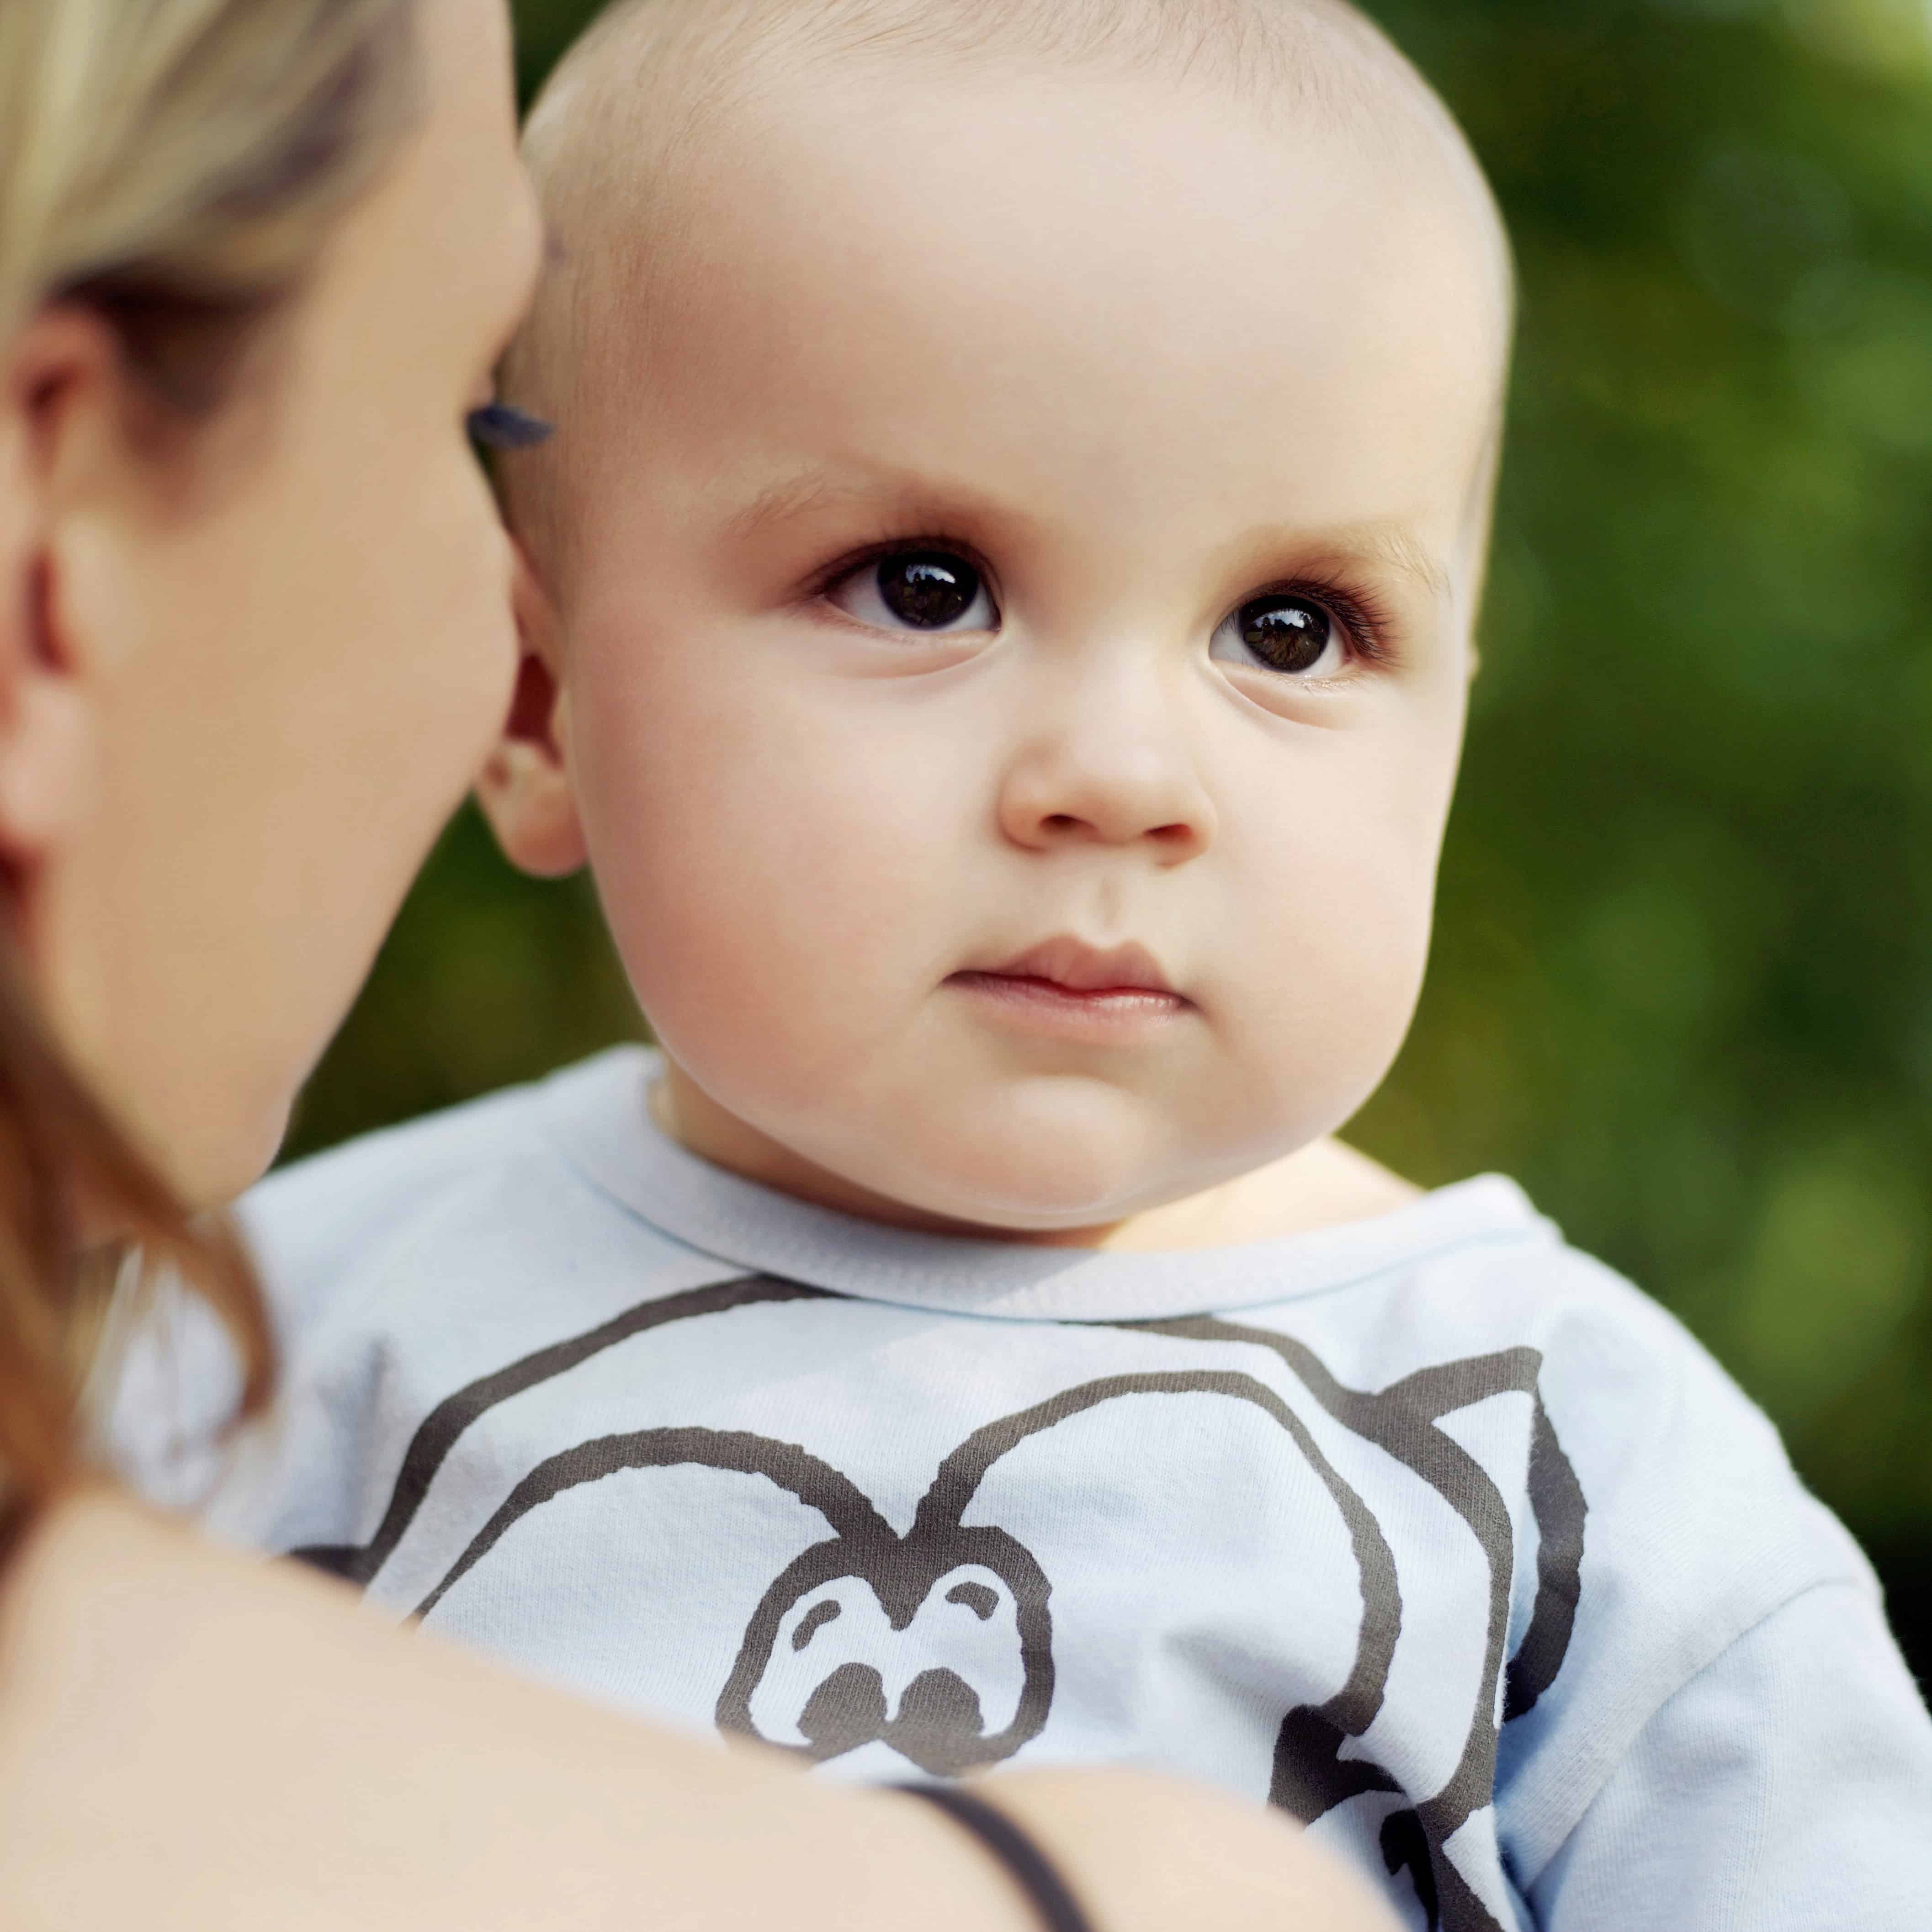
[[1300, 634], [923, 590], [1309, 634]]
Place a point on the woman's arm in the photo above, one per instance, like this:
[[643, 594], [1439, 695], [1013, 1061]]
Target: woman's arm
[[192, 1740]]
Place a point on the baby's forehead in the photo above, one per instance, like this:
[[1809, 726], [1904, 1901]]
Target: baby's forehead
[[897, 224], [662, 53], [624, 141]]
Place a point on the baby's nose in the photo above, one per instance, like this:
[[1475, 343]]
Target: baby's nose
[[1124, 776]]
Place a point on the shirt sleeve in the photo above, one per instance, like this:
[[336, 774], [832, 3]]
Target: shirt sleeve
[[1787, 1787]]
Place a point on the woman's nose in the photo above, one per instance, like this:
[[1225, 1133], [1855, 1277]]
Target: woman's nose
[[1116, 769]]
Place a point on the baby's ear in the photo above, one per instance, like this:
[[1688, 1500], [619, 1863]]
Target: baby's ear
[[524, 789]]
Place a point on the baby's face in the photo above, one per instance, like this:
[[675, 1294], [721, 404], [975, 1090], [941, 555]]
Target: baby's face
[[1016, 631]]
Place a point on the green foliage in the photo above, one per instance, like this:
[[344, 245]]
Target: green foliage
[[1682, 986]]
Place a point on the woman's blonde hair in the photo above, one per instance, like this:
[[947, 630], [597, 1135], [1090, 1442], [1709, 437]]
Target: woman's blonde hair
[[176, 166]]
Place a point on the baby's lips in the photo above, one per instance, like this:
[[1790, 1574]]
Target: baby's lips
[[1082, 967]]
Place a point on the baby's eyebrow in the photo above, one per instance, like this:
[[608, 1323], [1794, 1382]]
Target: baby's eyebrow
[[809, 491], [1391, 544], [818, 489], [1400, 551], [792, 497]]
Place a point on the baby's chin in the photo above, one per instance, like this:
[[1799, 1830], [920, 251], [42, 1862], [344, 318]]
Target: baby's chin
[[1058, 1158]]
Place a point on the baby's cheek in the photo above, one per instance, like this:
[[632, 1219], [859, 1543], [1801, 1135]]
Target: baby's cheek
[[759, 797], [769, 933], [1328, 963]]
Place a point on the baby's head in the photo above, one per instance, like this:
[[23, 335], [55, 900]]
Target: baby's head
[[1007, 565]]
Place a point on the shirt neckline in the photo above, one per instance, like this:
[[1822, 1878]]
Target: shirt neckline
[[597, 1115]]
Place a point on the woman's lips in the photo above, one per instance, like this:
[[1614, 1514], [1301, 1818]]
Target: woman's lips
[[1068, 990]]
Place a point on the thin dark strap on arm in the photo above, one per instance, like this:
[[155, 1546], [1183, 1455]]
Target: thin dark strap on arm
[[1026, 1865]]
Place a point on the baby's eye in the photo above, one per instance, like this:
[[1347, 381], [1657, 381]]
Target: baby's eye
[[916, 590], [1282, 632]]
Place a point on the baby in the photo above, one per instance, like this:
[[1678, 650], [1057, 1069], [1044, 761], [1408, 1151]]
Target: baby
[[997, 611]]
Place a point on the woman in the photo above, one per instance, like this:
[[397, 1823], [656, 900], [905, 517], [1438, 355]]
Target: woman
[[256, 258]]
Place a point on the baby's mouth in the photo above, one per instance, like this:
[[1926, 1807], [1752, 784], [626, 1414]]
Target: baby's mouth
[[1067, 988]]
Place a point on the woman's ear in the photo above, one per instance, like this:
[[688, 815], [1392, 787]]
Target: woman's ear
[[62, 417], [524, 789]]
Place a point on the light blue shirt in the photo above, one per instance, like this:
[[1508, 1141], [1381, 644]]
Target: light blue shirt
[[1428, 1529]]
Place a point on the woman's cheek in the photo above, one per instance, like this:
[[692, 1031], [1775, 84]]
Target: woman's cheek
[[465, 638]]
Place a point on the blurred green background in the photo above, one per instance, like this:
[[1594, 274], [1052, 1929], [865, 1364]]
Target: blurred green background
[[1682, 986]]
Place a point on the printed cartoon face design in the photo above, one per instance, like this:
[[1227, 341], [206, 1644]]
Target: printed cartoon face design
[[938, 1643], [833, 1661]]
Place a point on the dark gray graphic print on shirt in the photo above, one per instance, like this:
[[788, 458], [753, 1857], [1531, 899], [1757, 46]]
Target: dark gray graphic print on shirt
[[841, 1651]]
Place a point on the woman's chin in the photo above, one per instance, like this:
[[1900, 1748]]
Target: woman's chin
[[213, 1155]]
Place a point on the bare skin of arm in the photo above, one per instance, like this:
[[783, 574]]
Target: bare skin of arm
[[257, 1754]]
